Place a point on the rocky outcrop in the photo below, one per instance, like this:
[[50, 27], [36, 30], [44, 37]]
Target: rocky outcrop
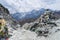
[[43, 24], [6, 15]]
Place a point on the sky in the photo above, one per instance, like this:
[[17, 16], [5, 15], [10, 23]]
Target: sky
[[28, 5]]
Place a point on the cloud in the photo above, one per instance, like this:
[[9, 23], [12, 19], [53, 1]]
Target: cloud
[[25, 5], [28, 5], [49, 1], [22, 6], [54, 6]]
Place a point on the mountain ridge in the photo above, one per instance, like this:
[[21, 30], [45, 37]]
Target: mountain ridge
[[32, 15], [6, 16]]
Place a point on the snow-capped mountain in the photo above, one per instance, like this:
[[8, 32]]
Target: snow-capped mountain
[[26, 8], [32, 15], [28, 15]]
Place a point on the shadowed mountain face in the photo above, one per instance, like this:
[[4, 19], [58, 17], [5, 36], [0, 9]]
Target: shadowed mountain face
[[57, 14], [6, 15], [26, 15]]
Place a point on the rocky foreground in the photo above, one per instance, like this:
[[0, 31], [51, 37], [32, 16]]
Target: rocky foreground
[[47, 27], [22, 34]]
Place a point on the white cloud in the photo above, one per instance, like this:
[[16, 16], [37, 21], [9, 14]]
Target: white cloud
[[24, 5], [49, 1], [28, 5]]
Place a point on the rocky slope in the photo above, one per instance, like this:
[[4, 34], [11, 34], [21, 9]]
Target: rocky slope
[[22, 34], [6, 15], [43, 25]]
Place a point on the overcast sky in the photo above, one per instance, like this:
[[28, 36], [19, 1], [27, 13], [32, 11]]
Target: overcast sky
[[28, 5]]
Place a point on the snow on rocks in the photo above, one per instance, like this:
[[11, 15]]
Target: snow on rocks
[[23, 35], [55, 36]]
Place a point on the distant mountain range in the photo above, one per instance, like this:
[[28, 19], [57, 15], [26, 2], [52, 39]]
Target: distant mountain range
[[32, 15], [29, 16]]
